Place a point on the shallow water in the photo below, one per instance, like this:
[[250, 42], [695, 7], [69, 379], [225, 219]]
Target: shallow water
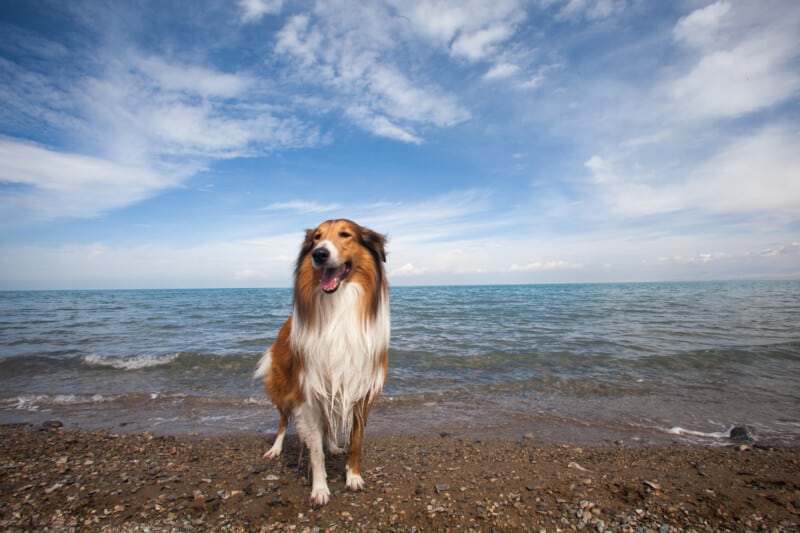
[[582, 363]]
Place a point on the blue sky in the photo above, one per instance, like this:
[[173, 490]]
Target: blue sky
[[189, 144]]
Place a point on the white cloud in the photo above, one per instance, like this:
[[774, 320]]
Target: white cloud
[[533, 82], [254, 10], [576, 10], [160, 109], [473, 23], [192, 79], [59, 184], [500, 71], [148, 123], [407, 269], [542, 265], [757, 172], [753, 173], [747, 61], [482, 43], [381, 126], [302, 206], [352, 57], [701, 25]]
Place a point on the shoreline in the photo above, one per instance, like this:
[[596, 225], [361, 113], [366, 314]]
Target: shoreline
[[63, 479], [555, 419]]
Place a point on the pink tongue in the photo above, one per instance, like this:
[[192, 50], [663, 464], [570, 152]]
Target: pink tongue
[[331, 278]]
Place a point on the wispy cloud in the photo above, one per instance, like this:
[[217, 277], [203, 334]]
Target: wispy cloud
[[254, 10], [51, 184], [745, 60], [144, 124], [353, 59], [302, 206]]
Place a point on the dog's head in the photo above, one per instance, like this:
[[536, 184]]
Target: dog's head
[[341, 249]]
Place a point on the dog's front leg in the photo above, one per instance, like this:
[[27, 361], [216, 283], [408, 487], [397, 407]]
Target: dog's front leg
[[311, 429]]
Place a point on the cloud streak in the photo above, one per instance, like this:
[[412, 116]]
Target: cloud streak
[[48, 184]]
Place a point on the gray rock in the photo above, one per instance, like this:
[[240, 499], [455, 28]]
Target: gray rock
[[742, 434]]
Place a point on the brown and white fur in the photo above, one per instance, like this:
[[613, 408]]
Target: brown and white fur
[[328, 363]]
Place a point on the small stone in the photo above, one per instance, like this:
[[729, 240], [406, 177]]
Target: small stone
[[441, 488], [742, 433], [576, 466], [652, 485]]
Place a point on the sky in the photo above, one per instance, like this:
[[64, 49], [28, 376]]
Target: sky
[[182, 144]]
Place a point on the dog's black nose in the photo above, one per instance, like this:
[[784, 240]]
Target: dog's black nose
[[321, 255]]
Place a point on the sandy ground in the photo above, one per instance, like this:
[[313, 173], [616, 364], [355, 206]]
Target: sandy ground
[[59, 480]]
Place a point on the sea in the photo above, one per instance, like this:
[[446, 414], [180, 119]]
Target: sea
[[632, 363]]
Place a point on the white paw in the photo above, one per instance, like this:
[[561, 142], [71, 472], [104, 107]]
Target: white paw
[[320, 495], [333, 449], [273, 452], [354, 482]]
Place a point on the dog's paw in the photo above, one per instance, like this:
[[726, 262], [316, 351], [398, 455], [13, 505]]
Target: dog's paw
[[354, 482], [320, 495], [333, 449], [273, 453]]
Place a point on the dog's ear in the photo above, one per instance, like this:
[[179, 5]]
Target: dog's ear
[[308, 244], [375, 242]]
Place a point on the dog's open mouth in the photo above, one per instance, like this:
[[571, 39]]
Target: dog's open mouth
[[332, 277]]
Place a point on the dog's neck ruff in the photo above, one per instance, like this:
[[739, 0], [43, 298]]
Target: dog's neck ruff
[[342, 352]]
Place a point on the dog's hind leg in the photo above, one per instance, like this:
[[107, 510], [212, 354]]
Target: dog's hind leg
[[353, 480], [333, 447]]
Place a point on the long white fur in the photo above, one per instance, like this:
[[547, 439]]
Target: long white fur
[[263, 365], [342, 353]]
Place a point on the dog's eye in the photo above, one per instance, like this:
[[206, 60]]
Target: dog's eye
[[317, 236], [344, 234]]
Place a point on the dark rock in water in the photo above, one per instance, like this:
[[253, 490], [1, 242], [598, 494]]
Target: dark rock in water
[[742, 434], [52, 424]]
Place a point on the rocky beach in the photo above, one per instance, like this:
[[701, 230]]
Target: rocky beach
[[58, 479]]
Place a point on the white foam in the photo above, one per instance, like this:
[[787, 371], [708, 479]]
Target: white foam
[[24, 403], [677, 430], [135, 362], [36, 402], [260, 400]]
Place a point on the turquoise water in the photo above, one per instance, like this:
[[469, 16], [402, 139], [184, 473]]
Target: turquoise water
[[611, 360]]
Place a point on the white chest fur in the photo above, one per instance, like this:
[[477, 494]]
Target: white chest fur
[[341, 352]]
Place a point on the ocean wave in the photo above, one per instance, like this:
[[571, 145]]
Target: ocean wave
[[133, 362], [38, 402], [712, 435]]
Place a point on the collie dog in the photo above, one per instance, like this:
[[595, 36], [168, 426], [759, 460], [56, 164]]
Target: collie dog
[[328, 363]]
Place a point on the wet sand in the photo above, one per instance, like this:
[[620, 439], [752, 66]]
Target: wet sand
[[52, 478]]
